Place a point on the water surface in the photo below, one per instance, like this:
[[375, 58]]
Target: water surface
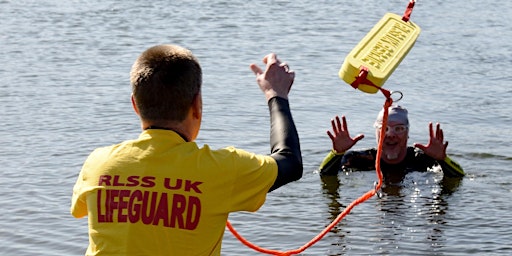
[[64, 91]]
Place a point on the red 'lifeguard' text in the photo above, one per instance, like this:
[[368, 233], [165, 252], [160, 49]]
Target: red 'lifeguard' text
[[174, 210]]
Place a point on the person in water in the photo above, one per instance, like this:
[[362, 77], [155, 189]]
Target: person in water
[[397, 157], [162, 194]]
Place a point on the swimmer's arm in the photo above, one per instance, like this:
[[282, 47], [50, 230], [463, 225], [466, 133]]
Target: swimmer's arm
[[451, 168], [284, 141], [331, 163]]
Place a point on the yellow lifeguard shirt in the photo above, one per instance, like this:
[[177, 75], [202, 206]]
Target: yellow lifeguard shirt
[[161, 195]]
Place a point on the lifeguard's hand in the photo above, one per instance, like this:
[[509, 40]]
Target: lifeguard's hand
[[435, 148], [341, 140], [276, 80]]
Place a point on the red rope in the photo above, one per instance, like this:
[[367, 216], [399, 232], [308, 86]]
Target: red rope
[[360, 79], [347, 210]]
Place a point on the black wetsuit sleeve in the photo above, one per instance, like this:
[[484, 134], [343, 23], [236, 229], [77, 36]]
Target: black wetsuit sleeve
[[331, 164], [360, 160], [451, 168], [284, 142]]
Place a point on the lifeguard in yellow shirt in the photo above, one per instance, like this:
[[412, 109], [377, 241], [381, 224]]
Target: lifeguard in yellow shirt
[[162, 194]]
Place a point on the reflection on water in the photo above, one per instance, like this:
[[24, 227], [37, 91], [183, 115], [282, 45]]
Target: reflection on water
[[410, 210]]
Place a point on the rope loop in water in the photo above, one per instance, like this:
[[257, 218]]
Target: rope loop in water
[[364, 197]]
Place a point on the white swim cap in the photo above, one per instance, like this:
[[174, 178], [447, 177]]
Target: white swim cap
[[396, 114]]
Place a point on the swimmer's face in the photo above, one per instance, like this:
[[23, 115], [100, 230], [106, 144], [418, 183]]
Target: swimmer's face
[[394, 148]]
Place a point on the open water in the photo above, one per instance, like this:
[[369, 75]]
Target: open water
[[64, 90]]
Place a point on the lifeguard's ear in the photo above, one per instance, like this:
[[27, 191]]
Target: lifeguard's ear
[[197, 106], [134, 105]]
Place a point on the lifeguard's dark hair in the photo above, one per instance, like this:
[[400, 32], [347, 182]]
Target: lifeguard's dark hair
[[165, 79]]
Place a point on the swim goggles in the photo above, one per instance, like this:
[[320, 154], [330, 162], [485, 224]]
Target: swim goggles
[[397, 129]]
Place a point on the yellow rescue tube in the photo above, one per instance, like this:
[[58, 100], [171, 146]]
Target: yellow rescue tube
[[380, 51]]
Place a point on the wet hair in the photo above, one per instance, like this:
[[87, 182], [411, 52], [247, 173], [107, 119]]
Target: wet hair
[[165, 79]]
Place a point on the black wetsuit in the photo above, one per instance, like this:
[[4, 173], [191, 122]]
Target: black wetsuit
[[284, 142], [364, 160]]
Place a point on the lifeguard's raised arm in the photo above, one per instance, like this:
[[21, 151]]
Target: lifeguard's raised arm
[[284, 141], [275, 82]]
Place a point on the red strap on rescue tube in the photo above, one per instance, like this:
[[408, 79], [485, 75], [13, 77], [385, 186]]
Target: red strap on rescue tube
[[408, 11], [362, 78]]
